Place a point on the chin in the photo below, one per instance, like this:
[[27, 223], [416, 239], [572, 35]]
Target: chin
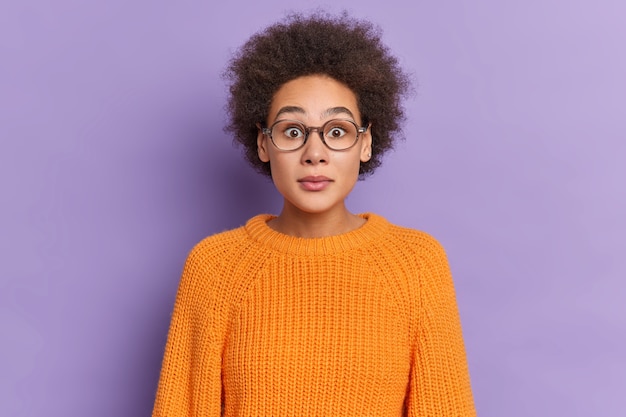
[[315, 209]]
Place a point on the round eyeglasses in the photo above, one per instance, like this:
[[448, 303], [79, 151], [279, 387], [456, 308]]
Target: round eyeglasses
[[336, 134]]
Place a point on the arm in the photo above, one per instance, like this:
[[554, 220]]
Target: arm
[[190, 381], [439, 382]]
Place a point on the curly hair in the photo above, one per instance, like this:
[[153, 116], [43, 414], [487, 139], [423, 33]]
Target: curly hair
[[343, 48]]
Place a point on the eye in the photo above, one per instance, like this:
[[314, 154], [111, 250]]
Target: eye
[[335, 132], [339, 130], [293, 132]]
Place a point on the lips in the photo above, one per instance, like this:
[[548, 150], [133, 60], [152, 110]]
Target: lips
[[314, 182]]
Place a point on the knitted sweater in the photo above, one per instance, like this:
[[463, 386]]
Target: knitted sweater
[[360, 324]]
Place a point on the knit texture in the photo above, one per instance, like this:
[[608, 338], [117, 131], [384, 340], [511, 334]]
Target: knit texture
[[360, 324]]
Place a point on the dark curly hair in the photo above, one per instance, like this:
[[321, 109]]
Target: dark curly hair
[[346, 49]]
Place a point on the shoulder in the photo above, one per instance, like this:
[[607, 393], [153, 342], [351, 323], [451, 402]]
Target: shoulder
[[214, 265], [218, 246], [218, 251], [227, 249], [414, 255], [426, 258], [417, 242]]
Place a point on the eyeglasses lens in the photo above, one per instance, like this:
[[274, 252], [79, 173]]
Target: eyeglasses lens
[[338, 134]]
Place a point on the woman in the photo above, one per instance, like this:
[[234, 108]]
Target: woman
[[316, 311]]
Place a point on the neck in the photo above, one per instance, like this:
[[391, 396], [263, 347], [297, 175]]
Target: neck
[[294, 222]]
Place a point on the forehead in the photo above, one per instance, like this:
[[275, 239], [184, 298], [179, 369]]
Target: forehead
[[314, 98]]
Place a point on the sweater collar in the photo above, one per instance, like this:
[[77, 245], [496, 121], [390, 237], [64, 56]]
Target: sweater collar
[[374, 228]]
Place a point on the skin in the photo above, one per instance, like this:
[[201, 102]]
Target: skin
[[314, 100]]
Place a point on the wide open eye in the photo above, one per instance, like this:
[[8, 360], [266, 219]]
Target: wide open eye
[[335, 132], [339, 130], [288, 134], [293, 132]]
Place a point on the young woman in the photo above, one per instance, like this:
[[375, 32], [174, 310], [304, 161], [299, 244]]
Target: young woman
[[316, 311]]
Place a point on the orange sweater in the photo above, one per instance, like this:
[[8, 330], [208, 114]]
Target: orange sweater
[[360, 324]]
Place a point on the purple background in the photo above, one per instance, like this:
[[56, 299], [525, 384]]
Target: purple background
[[113, 164]]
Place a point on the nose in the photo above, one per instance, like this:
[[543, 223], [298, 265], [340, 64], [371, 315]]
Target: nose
[[314, 151]]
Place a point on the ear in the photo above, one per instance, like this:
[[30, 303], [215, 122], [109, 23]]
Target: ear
[[366, 145], [261, 143]]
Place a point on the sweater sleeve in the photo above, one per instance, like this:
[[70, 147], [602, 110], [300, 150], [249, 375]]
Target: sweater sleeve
[[190, 380], [439, 381]]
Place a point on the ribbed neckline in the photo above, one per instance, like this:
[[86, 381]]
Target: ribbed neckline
[[374, 228]]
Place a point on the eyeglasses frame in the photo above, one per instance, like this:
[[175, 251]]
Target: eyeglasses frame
[[307, 130]]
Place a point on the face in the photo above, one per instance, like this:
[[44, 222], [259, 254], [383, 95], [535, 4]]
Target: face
[[314, 179]]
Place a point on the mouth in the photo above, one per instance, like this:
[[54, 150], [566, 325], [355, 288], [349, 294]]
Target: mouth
[[314, 182]]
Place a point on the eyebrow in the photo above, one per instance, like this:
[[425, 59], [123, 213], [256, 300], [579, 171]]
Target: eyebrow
[[328, 112]]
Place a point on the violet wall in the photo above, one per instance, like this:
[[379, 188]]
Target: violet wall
[[113, 164]]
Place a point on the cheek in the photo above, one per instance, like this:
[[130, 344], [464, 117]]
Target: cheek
[[280, 167], [352, 164]]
